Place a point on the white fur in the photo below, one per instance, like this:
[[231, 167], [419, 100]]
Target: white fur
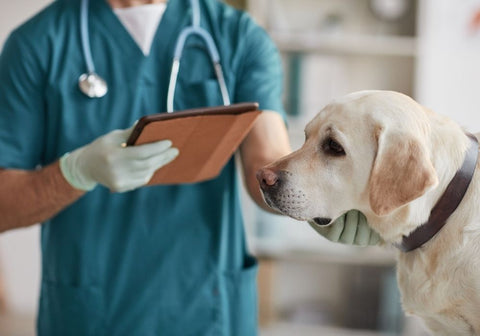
[[441, 280]]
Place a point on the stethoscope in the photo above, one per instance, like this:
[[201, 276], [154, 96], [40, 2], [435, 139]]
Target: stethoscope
[[94, 86]]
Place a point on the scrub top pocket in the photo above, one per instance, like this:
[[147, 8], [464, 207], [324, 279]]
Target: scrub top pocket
[[195, 311], [241, 295], [197, 94], [65, 308]]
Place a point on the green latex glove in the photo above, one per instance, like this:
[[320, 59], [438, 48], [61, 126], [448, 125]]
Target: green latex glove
[[118, 168], [351, 228]]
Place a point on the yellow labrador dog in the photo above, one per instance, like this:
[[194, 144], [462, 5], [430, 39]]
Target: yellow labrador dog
[[414, 174]]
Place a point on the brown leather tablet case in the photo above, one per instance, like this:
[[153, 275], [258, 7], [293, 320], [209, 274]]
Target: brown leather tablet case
[[205, 137]]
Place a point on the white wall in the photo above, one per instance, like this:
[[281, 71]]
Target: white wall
[[12, 13], [448, 68], [19, 249]]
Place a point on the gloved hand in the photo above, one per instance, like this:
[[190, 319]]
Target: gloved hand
[[118, 168], [351, 228]]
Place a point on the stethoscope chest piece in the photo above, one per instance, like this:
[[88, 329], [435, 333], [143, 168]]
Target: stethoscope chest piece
[[92, 85]]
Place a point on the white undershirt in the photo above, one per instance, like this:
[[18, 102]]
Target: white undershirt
[[142, 23]]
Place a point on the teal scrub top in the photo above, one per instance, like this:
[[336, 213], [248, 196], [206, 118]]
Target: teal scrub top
[[162, 260]]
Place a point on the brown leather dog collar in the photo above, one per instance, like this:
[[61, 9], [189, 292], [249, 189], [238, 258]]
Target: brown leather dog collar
[[447, 204]]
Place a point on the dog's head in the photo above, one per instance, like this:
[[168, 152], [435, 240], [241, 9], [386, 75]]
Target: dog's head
[[367, 151]]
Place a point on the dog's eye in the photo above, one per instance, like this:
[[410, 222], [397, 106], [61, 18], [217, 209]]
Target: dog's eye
[[332, 147]]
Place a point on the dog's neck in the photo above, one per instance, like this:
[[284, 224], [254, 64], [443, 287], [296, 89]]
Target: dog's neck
[[447, 204], [449, 246], [447, 160], [426, 275]]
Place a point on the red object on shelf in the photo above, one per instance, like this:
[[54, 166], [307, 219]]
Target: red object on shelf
[[475, 22]]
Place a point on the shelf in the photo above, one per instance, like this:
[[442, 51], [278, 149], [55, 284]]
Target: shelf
[[381, 45], [326, 252], [17, 324], [284, 329]]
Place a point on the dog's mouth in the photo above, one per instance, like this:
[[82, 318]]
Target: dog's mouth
[[270, 202], [322, 221], [287, 205]]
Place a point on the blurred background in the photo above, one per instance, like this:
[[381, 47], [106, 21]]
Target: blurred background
[[428, 49]]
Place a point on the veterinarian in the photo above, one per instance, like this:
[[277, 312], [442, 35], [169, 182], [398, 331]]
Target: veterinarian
[[118, 259]]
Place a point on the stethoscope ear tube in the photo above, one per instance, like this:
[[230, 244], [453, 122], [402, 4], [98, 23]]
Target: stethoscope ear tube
[[214, 57], [172, 84], [221, 83], [94, 86], [87, 53]]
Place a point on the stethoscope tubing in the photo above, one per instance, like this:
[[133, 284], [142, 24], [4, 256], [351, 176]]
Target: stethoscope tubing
[[194, 29], [87, 52], [214, 56]]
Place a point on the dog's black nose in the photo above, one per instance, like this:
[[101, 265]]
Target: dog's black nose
[[267, 178]]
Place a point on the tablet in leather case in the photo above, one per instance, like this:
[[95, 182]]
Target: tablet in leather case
[[206, 138]]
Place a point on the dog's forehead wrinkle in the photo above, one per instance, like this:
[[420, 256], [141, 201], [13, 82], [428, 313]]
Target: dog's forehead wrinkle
[[318, 120], [379, 102], [383, 105]]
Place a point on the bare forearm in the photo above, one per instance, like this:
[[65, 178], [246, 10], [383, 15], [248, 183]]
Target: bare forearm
[[29, 197]]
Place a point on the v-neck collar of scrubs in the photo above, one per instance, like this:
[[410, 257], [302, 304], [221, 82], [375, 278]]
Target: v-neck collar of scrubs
[[176, 16], [142, 22]]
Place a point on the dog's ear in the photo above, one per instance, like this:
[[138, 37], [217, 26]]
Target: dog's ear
[[402, 171]]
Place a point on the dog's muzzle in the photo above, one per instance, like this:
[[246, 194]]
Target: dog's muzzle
[[270, 184], [280, 194]]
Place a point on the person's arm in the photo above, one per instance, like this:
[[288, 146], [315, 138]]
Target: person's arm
[[260, 79], [266, 142], [29, 197]]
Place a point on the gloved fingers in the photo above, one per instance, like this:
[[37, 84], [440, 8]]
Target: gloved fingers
[[119, 183], [151, 163], [151, 149], [141, 171], [336, 229], [351, 228], [351, 224], [127, 132], [146, 151], [158, 162], [117, 137], [374, 238], [131, 181], [128, 186], [322, 230], [161, 160], [363, 231]]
